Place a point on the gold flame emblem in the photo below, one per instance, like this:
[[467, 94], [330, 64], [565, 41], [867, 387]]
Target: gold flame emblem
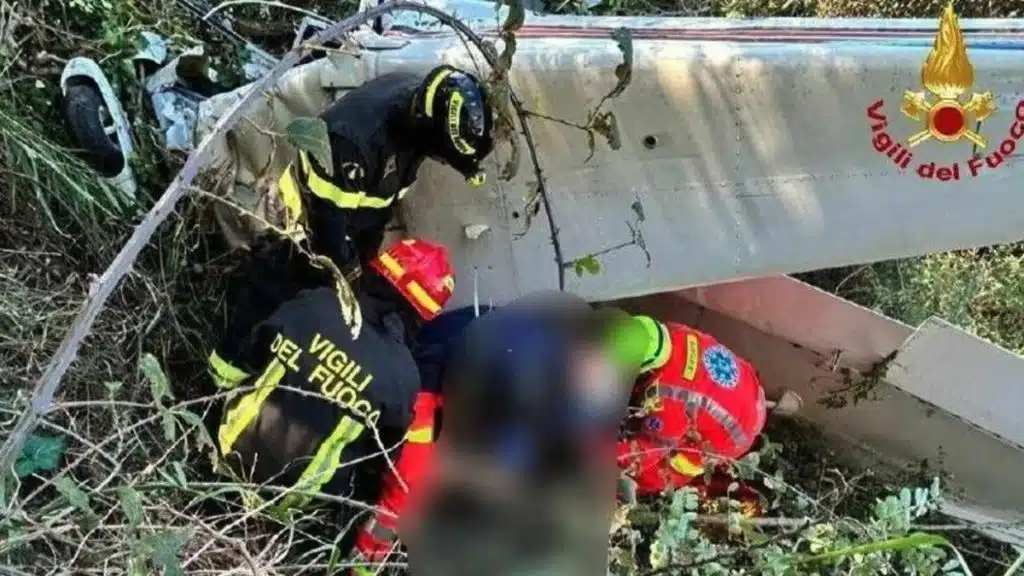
[[948, 74]]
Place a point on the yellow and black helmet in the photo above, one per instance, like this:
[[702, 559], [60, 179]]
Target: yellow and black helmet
[[459, 118]]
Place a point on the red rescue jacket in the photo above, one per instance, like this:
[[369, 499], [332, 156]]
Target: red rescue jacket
[[697, 399]]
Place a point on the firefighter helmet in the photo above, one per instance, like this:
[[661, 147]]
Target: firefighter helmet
[[420, 271], [460, 119]]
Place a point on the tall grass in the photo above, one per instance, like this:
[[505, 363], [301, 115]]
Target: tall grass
[[75, 202]]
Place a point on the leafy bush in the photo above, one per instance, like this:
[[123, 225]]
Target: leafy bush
[[978, 290]]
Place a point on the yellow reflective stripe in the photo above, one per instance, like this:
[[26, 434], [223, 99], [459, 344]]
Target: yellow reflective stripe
[[225, 374], [424, 435], [684, 466], [288, 192], [403, 192], [391, 264], [692, 354], [325, 462], [454, 122], [431, 92], [242, 414], [659, 343], [422, 297], [332, 193]]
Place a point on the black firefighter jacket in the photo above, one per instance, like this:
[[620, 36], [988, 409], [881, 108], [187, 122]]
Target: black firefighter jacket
[[342, 216], [375, 159], [307, 396]]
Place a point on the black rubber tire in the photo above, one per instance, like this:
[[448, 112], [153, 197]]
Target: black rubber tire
[[81, 109]]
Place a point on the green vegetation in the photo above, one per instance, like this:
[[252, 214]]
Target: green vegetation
[[115, 480], [978, 290]]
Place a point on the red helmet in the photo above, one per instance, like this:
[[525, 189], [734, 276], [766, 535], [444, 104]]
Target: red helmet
[[420, 271]]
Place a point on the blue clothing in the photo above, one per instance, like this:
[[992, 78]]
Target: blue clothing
[[507, 376], [435, 341], [508, 382]]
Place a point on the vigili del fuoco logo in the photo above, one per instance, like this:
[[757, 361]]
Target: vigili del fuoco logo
[[949, 112]]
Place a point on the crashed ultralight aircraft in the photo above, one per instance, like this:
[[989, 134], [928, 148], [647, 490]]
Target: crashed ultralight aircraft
[[748, 150]]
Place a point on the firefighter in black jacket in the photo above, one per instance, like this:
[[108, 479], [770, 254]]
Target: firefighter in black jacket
[[309, 398], [379, 135]]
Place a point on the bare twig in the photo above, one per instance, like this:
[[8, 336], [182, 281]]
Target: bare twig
[[542, 189], [100, 291], [231, 3], [769, 522], [1019, 562]]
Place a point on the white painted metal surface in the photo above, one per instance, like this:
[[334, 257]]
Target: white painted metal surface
[[965, 376], [791, 332], [807, 317], [762, 160]]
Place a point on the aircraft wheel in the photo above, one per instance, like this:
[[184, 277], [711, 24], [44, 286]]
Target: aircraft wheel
[[92, 128]]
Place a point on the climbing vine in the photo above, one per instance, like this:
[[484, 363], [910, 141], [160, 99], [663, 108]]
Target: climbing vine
[[589, 263]]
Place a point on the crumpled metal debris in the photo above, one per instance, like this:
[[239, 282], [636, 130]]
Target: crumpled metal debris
[[176, 107], [152, 48], [257, 64]]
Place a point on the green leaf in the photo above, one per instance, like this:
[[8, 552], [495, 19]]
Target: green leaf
[[131, 506], [951, 565], [159, 386], [137, 566], [607, 125], [624, 71], [113, 387], [310, 135], [170, 426], [334, 562], [39, 454], [198, 425], [589, 264], [78, 499], [179, 474], [627, 488], [14, 541], [163, 548], [908, 542]]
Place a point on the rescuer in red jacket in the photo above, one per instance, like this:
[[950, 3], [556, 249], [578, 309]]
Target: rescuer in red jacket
[[695, 402]]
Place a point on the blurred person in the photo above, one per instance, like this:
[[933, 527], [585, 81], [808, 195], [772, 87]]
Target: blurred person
[[307, 398], [533, 393], [673, 375]]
